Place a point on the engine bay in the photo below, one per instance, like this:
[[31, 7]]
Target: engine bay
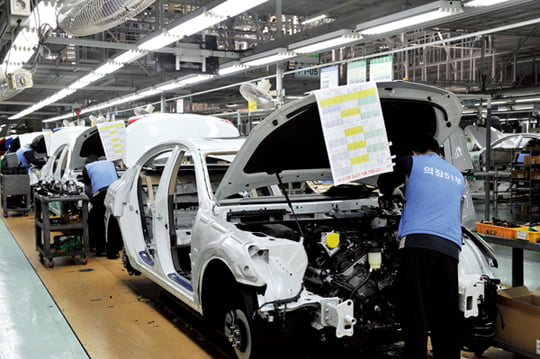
[[354, 258]]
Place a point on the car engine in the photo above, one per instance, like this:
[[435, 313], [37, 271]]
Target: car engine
[[354, 256], [351, 256]]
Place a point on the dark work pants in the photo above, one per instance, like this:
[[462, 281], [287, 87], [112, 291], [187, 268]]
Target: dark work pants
[[429, 302], [96, 222]]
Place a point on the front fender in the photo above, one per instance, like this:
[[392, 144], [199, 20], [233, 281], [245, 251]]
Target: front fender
[[258, 260]]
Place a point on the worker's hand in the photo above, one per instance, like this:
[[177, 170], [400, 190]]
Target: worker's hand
[[385, 202]]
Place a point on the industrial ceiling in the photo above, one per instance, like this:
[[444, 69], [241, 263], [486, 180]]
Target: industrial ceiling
[[494, 49]]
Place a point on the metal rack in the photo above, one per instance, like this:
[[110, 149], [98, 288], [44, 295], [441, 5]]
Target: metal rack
[[526, 188], [15, 193], [67, 215]]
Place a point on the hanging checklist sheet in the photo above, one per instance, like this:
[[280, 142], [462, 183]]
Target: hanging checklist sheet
[[354, 131], [112, 136]]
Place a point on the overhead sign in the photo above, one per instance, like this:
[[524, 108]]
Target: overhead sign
[[381, 69], [354, 131], [356, 72], [308, 72], [112, 136], [329, 77]]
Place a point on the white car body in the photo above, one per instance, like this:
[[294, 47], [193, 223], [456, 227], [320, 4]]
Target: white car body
[[61, 147], [222, 237], [499, 140], [72, 145]]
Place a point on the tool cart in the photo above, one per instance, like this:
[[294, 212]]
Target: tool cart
[[67, 217], [14, 186], [15, 193]]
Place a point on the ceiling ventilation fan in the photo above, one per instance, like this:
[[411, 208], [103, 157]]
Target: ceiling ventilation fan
[[259, 93], [86, 17]]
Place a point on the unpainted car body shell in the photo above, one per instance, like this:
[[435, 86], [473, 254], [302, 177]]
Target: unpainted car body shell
[[273, 265]]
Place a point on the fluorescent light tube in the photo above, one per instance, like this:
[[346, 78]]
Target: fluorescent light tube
[[196, 24], [108, 68], [479, 3], [261, 59], [232, 8], [407, 22], [149, 92], [313, 19], [328, 44], [129, 56], [232, 69], [195, 79], [157, 42], [533, 99], [91, 77], [522, 107], [169, 86]]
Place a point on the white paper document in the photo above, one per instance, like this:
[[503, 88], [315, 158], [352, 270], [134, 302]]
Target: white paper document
[[354, 131], [112, 136]]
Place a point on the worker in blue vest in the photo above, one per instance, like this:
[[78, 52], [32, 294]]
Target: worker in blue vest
[[99, 175], [27, 158], [430, 233]]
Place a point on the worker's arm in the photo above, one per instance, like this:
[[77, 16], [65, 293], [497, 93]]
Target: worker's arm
[[387, 182], [38, 162], [85, 177]]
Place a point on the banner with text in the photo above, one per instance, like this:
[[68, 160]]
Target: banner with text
[[330, 77], [381, 69], [354, 131], [112, 136], [356, 72]]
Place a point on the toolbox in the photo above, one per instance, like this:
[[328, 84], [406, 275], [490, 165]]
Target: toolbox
[[531, 234], [487, 227]]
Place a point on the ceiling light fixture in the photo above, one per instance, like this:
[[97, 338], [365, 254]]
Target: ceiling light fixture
[[158, 41], [196, 24], [190, 80], [313, 19], [500, 102], [186, 27], [108, 68], [169, 86], [533, 99], [236, 67], [268, 57], [129, 56], [327, 41], [232, 8], [479, 3], [522, 107], [419, 15]]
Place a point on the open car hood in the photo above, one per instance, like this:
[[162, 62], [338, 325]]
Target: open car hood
[[64, 136], [87, 143], [290, 140]]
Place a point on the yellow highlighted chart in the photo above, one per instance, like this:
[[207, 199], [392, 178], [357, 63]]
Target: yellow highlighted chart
[[112, 136], [354, 131]]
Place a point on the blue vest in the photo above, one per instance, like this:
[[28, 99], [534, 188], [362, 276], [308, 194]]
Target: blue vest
[[433, 194], [20, 156], [101, 173]]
